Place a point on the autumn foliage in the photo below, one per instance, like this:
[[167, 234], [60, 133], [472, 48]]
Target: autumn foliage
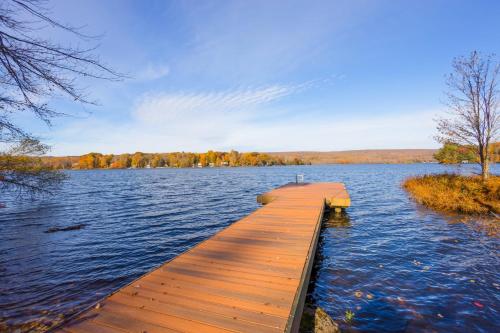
[[456, 193], [452, 153], [174, 160]]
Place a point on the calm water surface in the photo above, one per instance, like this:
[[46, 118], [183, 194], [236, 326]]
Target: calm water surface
[[398, 267]]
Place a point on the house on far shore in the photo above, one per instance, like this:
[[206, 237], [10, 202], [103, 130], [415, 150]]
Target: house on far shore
[[200, 165]]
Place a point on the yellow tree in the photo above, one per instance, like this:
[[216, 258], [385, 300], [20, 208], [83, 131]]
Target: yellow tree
[[211, 156], [105, 161], [124, 161], [234, 158], [138, 160], [203, 160], [157, 161], [89, 161]]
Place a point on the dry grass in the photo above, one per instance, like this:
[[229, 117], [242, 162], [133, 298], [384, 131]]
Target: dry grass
[[455, 193]]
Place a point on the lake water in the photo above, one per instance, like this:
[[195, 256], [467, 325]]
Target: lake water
[[396, 266]]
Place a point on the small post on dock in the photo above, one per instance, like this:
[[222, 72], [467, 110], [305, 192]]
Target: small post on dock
[[299, 178]]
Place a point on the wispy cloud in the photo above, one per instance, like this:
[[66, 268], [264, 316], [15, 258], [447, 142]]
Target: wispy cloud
[[245, 132], [153, 72], [161, 107]]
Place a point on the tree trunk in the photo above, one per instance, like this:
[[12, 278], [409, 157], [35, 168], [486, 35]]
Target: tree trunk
[[485, 164]]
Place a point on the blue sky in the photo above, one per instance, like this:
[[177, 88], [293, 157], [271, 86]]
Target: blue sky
[[268, 75]]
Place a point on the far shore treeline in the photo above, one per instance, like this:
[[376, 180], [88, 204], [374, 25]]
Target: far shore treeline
[[448, 154], [172, 160], [452, 153]]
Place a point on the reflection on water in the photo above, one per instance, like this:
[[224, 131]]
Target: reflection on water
[[396, 266], [336, 220]]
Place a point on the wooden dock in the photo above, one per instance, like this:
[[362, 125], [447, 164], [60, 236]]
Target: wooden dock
[[250, 277]]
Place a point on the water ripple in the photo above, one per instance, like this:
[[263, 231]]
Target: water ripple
[[421, 272]]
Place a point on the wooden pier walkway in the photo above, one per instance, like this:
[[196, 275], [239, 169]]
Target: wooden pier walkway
[[250, 277]]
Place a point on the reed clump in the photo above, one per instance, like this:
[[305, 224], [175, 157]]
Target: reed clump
[[456, 193]]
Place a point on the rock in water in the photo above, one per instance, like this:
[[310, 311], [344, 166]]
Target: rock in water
[[316, 320], [323, 323]]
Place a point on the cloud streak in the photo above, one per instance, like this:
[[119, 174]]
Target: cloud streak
[[161, 107], [247, 118], [241, 132]]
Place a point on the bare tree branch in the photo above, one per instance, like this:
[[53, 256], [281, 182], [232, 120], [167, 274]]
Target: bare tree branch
[[23, 172], [34, 70]]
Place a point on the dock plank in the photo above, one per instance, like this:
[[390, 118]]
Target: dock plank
[[250, 277]]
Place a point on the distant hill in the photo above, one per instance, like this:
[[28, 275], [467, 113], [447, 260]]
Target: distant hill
[[361, 156]]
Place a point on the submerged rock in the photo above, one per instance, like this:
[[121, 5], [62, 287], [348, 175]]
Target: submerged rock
[[72, 227], [316, 320]]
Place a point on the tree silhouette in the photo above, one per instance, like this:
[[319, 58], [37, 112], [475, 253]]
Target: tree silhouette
[[473, 102], [34, 70]]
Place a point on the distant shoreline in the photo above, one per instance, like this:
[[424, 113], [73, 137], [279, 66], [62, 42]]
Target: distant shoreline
[[266, 166], [236, 159]]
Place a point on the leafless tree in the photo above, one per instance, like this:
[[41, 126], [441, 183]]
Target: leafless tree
[[34, 69], [473, 106]]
